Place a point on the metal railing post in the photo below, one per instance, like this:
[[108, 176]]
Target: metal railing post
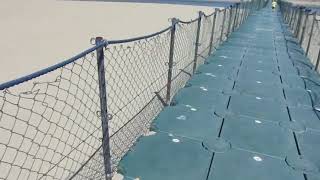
[[283, 9], [310, 34], [286, 9], [222, 25], [304, 27], [318, 59], [236, 17], [229, 23], [250, 4], [247, 10], [292, 22], [197, 44], [234, 14], [103, 110], [256, 5], [239, 14], [174, 21], [297, 31], [294, 18], [296, 11], [212, 31], [244, 12], [290, 13], [259, 5]]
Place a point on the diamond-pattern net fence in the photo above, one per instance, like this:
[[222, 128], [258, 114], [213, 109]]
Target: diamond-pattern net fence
[[305, 25], [315, 43], [50, 124]]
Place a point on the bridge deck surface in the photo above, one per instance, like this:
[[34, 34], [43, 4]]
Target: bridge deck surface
[[248, 114]]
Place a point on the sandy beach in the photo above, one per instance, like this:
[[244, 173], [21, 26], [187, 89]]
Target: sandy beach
[[38, 33], [312, 3]]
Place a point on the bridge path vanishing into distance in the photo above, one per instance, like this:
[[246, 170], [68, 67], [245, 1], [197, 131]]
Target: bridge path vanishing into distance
[[232, 95], [247, 113]]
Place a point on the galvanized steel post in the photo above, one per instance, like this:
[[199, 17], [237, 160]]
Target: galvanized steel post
[[239, 14], [297, 31], [291, 16], [212, 30], [234, 14], [247, 10], [296, 22], [103, 110], [174, 22], [229, 23], [294, 18], [304, 27], [287, 11], [197, 43], [318, 59], [283, 9], [311, 33], [259, 4], [292, 22], [243, 12], [236, 17], [222, 24]]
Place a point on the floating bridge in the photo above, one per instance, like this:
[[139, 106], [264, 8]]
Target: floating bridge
[[229, 96], [247, 113]]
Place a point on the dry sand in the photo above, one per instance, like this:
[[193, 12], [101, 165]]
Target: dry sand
[[306, 2], [37, 33]]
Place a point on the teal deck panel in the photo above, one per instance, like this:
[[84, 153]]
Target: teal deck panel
[[225, 61], [306, 116], [202, 98], [260, 78], [266, 67], [298, 98], [183, 119], [251, 112], [164, 156], [292, 80], [258, 107], [310, 147], [219, 71], [260, 90], [210, 81], [243, 165], [258, 135]]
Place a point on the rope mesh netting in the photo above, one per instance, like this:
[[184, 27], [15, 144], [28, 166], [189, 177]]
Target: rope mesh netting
[[49, 125], [50, 121], [315, 43], [305, 26]]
